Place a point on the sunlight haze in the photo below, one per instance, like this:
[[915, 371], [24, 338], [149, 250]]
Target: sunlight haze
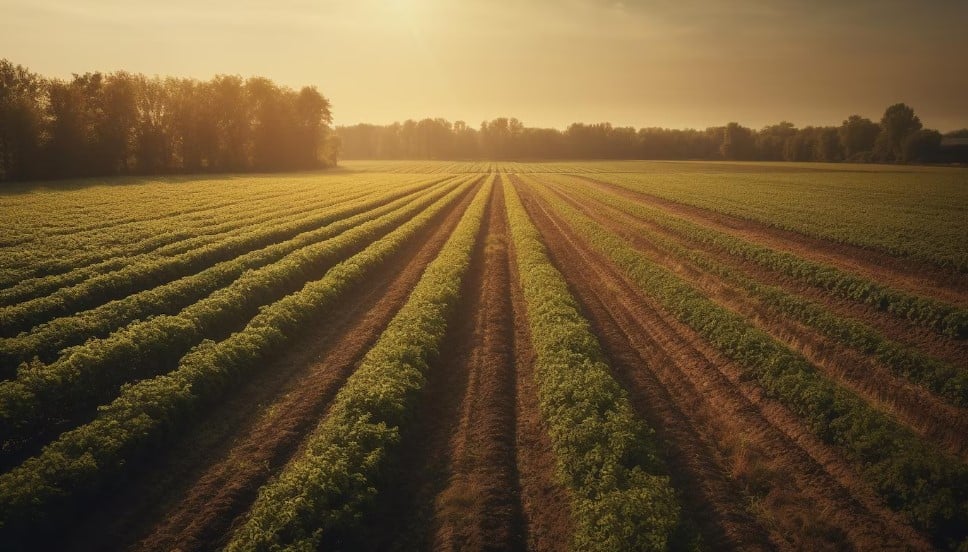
[[642, 63]]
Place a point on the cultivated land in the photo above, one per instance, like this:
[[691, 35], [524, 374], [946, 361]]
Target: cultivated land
[[488, 355]]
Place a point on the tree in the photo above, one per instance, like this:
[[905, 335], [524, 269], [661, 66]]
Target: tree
[[898, 122], [921, 146], [21, 122], [857, 136], [771, 140], [827, 147], [737, 142]]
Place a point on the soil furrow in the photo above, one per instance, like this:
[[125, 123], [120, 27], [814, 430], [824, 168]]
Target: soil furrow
[[457, 484], [893, 327], [479, 508], [911, 276], [915, 406], [807, 494], [190, 497]]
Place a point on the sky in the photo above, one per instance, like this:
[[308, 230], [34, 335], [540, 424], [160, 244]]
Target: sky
[[641, 63]]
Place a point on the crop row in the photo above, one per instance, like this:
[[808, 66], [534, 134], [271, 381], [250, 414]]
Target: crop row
[[68, 267], [77, 250], [333, 481], [51, 337], [43, 395], [950, 382], [85, 264], [133, 278], [929, 487], [936, 315], [606, 456], [912, 215], [79, 214], [148, 414]]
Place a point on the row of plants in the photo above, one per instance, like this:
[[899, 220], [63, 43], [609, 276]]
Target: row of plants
[[336, 477], [606, 456], [72, 220], [48, 339], [928, 486], [120, 248], [152, 272], [50, 397], [48, 488], [55, 254], [946, 319], [948, 381]]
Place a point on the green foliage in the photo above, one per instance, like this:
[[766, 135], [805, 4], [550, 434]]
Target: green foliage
[[149, 413], [605, 455], [90, 373], [911, 477], [51, 337], [951, 382], [335, 479]]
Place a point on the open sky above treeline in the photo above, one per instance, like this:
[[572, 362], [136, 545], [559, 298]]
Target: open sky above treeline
[[643, 63]]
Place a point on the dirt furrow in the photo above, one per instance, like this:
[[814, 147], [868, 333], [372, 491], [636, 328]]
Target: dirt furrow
[[189, 498], [911, 276], [457, 485], [806, 494], [937, 421], [479, 508], [892, 327]]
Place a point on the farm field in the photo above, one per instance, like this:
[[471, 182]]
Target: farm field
[[410, 355]]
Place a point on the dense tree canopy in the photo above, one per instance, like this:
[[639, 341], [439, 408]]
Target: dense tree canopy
[[857, 139], [124, 123]]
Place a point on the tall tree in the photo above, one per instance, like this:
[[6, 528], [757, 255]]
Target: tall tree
[[737, 142], [21, 121], [898, 122], [857, 136]]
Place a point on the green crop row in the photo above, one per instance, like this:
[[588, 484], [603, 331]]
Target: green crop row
[[125, 241], [63, 269], [913, 478], [333, 481], [606, 456], [71, 220], [47, 339], [948, 381], [941, 317], [150, 413], [43, 395], [133, 278]]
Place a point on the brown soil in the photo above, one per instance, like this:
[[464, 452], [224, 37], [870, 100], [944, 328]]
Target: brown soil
[[942, 423], [917, 278], [463, 481], [721, 431], [190, 497]]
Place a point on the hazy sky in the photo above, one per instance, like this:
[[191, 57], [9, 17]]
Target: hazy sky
[[672, 63]]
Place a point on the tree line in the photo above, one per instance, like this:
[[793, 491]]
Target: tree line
[[898, 137], [99, 124]]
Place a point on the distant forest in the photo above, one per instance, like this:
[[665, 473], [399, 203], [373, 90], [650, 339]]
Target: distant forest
[[898, 137], [98, 124], [102, 124]]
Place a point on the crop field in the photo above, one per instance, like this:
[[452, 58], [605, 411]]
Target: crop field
[[407, 355]]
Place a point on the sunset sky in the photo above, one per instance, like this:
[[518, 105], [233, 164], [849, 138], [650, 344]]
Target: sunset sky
[[671, 63]]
